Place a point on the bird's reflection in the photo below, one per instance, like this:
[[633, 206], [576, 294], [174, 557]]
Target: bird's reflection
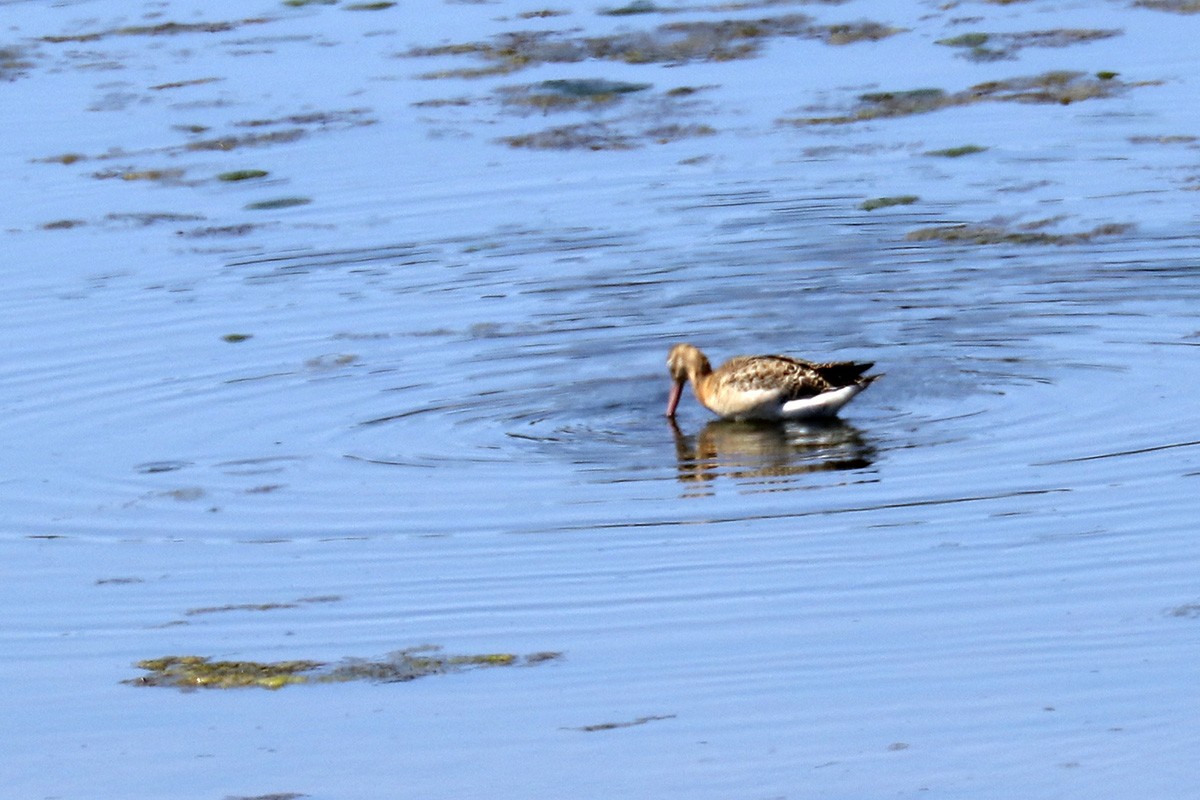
[[769, 450]]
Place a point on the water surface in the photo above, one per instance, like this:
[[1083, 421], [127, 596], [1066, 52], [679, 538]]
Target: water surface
[[424, 406]]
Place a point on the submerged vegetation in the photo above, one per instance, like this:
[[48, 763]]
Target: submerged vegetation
[[650, 7], [1000, 46], [884, 202], [247, 140], [1055, 88], [642, 126], [612, 726], [562, 95], [241, 337], [278, 203], [201, 672], [1177, 6], [957, 152], [242, 175], [1184, 138], [159, 175], [162, 29], [599, 136], [999, 234], [671, 43], [300, 125], [13, 62]]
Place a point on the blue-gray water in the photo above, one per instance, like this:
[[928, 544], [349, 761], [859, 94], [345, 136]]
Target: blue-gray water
[[445, 426]]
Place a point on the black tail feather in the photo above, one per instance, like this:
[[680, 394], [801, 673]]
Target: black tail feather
[[843, 373]]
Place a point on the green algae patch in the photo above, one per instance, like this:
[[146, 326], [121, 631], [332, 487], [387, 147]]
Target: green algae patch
[[599, 136], [300, 125], [649, 7], [219, 230], [242, 175], [956, 152], [636, 7], [162, 29], [1175, 6], [368, 6], [62, 224], [591, 87], [998, 234], [543, 13], [850, 33], [226, 143], [235, 338], [278, 203], [65, 158], [154, 175], [191, 612], [147, 218], [13, 62], [259, 607], [671, 43], [1051, 88], [612, 726], [587, 136], [884, 202], [965, 40], [569, 94], [1002, 46], [443, 102], [302, 3], [182, 84], [200, 672], [1169, 139]]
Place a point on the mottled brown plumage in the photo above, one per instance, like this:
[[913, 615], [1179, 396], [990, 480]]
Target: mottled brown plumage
[[765, 387]]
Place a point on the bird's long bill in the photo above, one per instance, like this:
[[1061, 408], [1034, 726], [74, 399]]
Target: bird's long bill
[[673, 398]]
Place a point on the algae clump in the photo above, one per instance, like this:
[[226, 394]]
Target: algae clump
[[884, 202], [200, 672]]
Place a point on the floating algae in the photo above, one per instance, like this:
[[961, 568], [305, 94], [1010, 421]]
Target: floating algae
[[599, 136], [956, 152], [163, 29], [671, 43], [884, 202], [13, 62], [1000, 46], [1055, 88], [998, 234], [200, 672], [563, 94], [242, 175], [612, 726], [1176, 6], [161, 175], [278, 203]]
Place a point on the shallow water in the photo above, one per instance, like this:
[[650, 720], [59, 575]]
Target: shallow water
[[426, 408]]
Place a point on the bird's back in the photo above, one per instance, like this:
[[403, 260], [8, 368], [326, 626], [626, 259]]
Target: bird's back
[[791, 377]]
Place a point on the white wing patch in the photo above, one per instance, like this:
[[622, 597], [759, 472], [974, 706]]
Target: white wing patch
[[826, 404]]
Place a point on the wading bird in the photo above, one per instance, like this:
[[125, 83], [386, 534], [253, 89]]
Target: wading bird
[[765, 387]]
